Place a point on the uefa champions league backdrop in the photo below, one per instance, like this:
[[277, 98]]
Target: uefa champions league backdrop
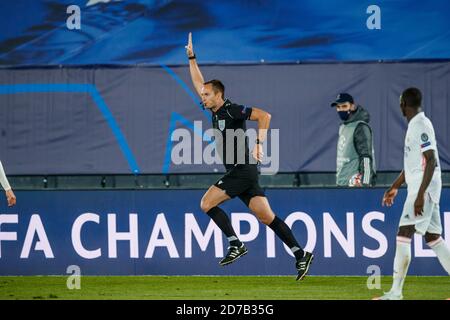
[[165, 233], [99, 87], [123, 120], [116, 70], [66, 32]]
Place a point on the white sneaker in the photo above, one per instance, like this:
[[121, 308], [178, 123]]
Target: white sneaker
[[390, 296]]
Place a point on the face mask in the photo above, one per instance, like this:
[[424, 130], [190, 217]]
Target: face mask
[[344, 115]]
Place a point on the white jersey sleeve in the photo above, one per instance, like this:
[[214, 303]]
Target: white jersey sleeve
[[3, 179], [425, 136]]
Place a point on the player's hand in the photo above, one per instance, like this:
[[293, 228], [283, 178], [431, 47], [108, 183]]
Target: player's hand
[[389, 196], [10, 197], [258, 153], [418, 205], [189, 47]]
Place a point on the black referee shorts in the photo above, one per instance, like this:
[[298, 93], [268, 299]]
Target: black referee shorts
[[241, 181]]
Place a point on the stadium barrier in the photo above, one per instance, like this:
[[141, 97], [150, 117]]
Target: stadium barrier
[[162, 232]]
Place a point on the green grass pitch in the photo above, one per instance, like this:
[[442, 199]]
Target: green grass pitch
[[216, 288]]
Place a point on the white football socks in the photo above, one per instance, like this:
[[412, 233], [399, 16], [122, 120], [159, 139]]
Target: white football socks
[[442, 251], [401, 264]]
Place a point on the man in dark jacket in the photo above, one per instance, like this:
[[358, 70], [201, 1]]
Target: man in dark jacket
[[355, 165]]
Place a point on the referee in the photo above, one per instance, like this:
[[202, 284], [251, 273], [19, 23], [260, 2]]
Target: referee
[[241, 177]]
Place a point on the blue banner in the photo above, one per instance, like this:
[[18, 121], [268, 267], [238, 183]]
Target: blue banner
[[165, 233], [155, 31]]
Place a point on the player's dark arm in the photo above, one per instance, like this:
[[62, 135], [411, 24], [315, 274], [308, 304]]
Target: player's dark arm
[[196, 75], [391, 193], [399, 181], [263, 119], [362, 140], [431, 162]]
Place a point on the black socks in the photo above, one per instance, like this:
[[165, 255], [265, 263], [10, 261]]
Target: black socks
[[278, 226], [283, 232], [223, 222]]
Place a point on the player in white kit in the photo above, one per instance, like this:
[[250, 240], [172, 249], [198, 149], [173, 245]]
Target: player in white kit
[[10, 197], [422, 174]]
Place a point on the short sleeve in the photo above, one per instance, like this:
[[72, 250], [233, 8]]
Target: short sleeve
[[239, 112], [425, 137]]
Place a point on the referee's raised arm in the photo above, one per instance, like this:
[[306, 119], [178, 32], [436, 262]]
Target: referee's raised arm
[[196, 75]]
